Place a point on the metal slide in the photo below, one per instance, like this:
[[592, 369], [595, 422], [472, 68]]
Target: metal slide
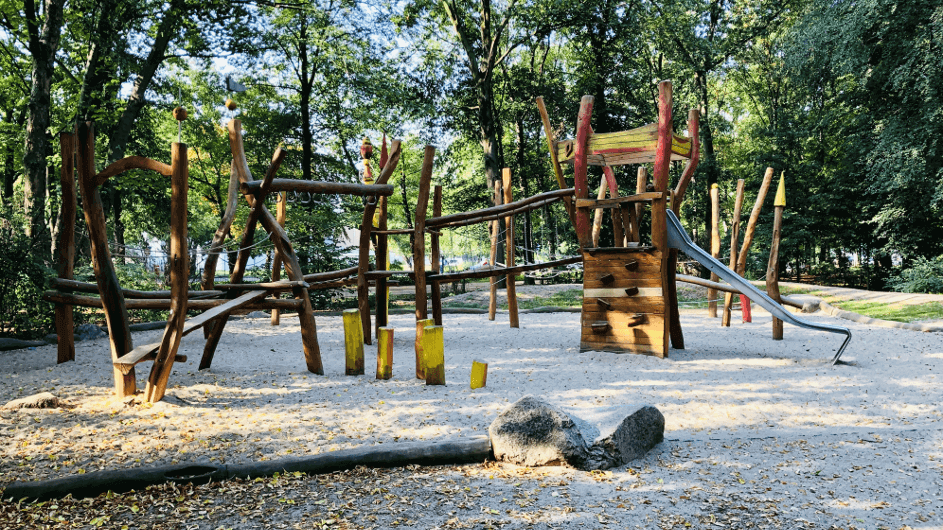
[[678, 238]]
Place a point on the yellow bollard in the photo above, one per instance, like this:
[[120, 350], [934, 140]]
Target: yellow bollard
[[384, 353], [420, 330], [353, 342], [434, 355], [479, 374]]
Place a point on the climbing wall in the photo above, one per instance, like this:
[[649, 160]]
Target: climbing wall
[[624, 308]]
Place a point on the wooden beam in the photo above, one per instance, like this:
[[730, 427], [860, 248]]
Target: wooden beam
[[734, 241], [179, 263], [419, 239], [320, 187], [65, 247], [131, 162], [500, 210], [501, 271], [509, 246], [581, 185], [116, 314]]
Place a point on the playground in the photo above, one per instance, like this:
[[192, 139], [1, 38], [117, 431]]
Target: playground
[[757, 431]]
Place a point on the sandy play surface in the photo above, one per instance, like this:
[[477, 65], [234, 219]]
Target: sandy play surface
[[759, 433]]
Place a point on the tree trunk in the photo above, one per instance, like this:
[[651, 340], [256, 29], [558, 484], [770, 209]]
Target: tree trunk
[[9, 168], [709, 161], [118, 141], [43, 45]]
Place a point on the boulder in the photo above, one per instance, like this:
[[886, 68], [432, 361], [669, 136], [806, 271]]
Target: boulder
[[89, 332], [257, 314], [43, 400], [640, 430], [532, 433]]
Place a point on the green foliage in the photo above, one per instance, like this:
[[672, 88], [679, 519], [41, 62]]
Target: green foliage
[[923, 276], [23, 313]]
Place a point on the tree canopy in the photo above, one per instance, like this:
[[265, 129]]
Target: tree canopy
[[841, 95]]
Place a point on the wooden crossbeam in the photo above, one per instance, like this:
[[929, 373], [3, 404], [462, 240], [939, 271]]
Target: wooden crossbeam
[[146, 352]]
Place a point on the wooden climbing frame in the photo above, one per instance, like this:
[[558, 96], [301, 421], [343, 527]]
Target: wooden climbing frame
[[629, 296], [217, 301]]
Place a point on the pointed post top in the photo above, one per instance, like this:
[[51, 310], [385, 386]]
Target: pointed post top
[[781, 191]]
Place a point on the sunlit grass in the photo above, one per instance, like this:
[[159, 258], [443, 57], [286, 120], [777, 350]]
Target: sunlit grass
[[894, 312]]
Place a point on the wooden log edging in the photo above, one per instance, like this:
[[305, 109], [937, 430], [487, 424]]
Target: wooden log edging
[[446, 452]]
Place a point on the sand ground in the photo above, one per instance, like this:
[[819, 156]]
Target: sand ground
[[759, 433]]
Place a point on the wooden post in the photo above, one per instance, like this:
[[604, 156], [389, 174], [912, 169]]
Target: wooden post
[[597, 215], [436, 288], [772, 270], [419, 241], [509, 243], [179, 263], [693, 129], [116, 313], [382, 259], [309, 333], [65, 250], [675, 332], [734, 241], [421, 326], [715, 247], [479, 375], [280, 215], [384, 353], [580, 165], [554, 161], [257, 212], [751, 224], [434, 355], [665, 137], [353, 342], [493, 288], [641, 185], [366, 226], [617, 214]]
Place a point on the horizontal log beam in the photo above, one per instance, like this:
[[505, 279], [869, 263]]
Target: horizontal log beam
[[501, 271], [83, 287], [164, 303], [331, 275], [487, 214], [264, 286], [618, 201], [316, 186]]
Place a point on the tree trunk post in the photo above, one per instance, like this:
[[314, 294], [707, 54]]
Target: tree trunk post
[[715, 248], [65, 250], [734, 241]]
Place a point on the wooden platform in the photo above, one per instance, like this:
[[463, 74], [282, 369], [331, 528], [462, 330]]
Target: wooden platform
[[624, 305]]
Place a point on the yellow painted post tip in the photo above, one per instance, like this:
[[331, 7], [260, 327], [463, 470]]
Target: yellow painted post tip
[[781, 191], [714, 186]]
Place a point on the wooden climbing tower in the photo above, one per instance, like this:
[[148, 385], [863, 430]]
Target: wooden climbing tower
[[629, 297]]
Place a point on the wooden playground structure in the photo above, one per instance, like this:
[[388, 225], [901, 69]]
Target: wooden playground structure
[[630, 303]]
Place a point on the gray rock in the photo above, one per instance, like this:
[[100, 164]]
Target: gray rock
[[534, 433], [43, 400], [257, 314], [634, 436], [89, 332], [51, 338]]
